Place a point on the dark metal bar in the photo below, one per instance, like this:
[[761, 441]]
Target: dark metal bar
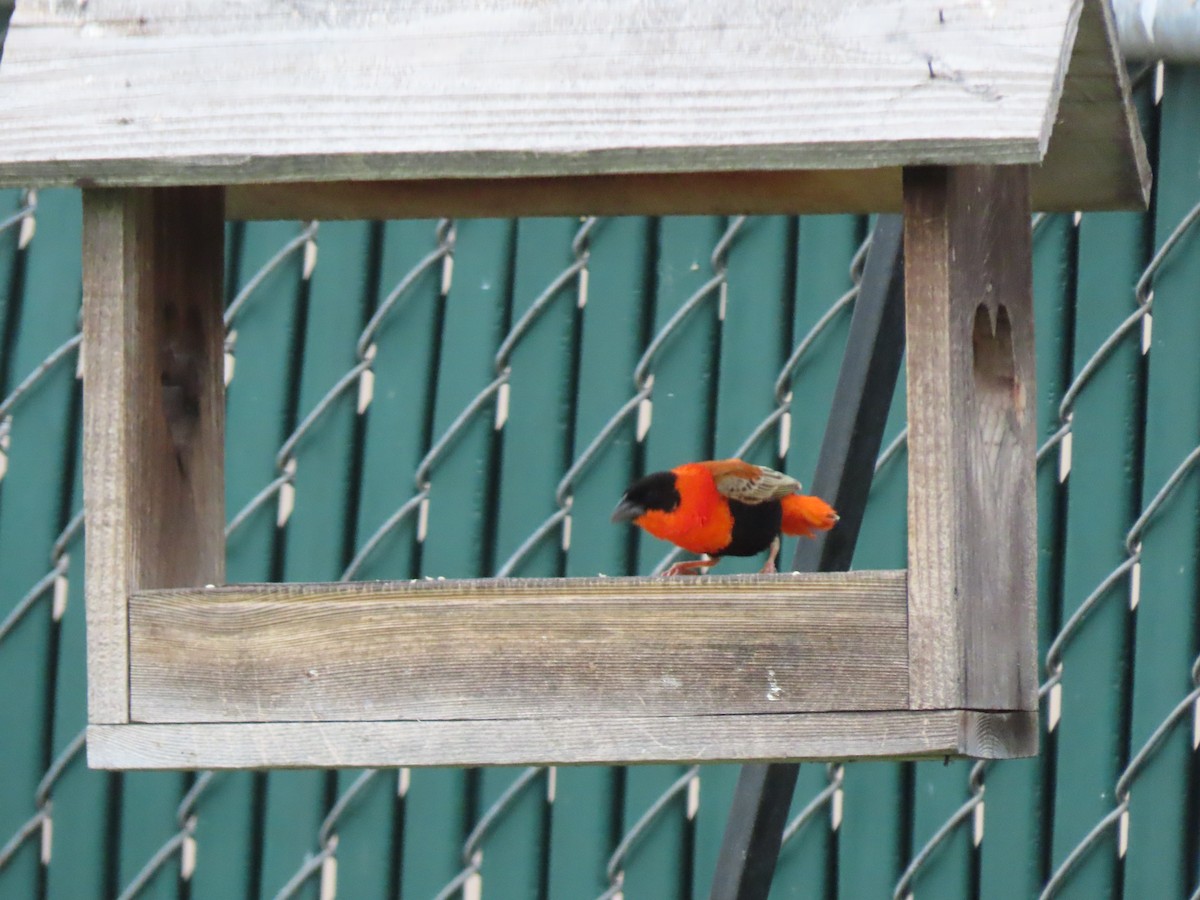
[[866, 385], [853, 435]]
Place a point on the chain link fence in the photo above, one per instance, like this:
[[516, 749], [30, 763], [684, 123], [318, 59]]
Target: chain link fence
[[468, 398]]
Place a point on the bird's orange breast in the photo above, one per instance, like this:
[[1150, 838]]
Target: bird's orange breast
[[702, 522]]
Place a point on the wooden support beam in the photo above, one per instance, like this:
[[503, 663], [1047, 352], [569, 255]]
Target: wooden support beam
[[1063, 187], [520, 649], [153, 411], [641, 193], [971, 519], [568, 740]]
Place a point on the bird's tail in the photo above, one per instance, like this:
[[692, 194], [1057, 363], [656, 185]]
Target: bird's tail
[[804, 515]]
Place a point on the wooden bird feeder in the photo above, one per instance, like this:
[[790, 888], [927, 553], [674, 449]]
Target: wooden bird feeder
[[175, 115]]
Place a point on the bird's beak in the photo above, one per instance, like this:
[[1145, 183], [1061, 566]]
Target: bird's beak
[[627, 511]]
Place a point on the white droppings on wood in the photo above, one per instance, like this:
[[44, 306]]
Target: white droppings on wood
[[774, 691]]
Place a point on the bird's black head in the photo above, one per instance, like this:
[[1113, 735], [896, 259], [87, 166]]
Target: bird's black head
[[655, 491]]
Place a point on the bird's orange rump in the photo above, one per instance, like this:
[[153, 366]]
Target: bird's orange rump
[[804, 515]]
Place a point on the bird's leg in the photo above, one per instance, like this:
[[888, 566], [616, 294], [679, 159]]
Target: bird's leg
[[769, 566], [689, 567]]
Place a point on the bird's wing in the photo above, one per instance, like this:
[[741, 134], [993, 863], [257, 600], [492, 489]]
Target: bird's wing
[[749, 483]]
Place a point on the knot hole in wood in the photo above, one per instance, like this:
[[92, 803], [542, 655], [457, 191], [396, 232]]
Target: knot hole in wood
[[180, 372], [999, 388]]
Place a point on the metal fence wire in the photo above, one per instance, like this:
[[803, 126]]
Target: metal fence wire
[[468, 398]]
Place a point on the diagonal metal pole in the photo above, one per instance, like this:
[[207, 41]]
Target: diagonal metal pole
[[866, 385]]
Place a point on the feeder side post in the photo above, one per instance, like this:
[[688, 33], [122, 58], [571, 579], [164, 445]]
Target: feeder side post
[[972, 453], [154, 411]]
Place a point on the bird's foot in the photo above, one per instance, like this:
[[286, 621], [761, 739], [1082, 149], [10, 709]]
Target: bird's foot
[[689, 567]]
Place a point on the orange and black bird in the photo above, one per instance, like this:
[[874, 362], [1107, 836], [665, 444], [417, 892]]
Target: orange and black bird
[[721, 508]]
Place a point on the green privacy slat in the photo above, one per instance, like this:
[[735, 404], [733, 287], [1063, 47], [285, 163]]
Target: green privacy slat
[[514, 846], [1010, 855], [580, 841], [826, 245], [682, 424], [405, 345], [80, 795], [1054, 295], [148, 804], [870, 857], [314, 545], [313, 536], [79, 865], [294, 805], [939, 790], [1158, 863], [534, 452], [40, 457], [753, 334], [655, 865], [802, 869], [433, 831], [367, 849], [610, 348], [681, 430], [580, 827], [535, 439], [1100, 509], [753, 337], [394, 441], [717, 783], [256, 406], [471, 331], [456, 546], [225, 850]]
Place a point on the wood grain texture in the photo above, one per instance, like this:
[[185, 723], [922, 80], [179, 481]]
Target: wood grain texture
[[1097, 138], [999, 735], [559, 740], [1060, 186], [520, 649], [153, 411], [684, 193], [122, 92], [970, 363]]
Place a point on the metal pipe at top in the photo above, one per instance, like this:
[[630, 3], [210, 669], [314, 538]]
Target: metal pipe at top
[[1159, 29]]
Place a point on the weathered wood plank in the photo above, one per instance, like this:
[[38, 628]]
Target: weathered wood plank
[[560, 740], [999, 735], [1096, 110], [153, 411], [520, 648], [117, 91], [684, 193], [970, 363], [1061, 185]]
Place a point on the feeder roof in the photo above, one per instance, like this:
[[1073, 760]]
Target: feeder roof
[[174, 92]]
